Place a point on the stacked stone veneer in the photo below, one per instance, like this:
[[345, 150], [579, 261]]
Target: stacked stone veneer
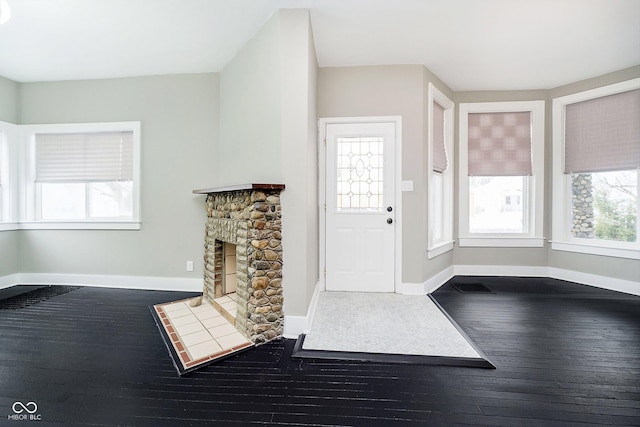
[[251, 220], [582, 206]]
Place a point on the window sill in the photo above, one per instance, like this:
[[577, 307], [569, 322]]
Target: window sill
[[9, 226], [502, 242], [596, 250], [79, 225], [439, 249]]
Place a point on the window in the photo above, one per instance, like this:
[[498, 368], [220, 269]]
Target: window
[[440, 177], [501, 174], [596, 143], [8, 182], [359, 174], [4, 176], [81, 175]]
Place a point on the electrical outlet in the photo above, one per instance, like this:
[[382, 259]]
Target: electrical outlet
[[189, 265]]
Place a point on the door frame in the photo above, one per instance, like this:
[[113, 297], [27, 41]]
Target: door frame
[[322, 187]]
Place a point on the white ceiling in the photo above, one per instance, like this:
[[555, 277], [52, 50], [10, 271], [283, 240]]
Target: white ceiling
[[469, 44]]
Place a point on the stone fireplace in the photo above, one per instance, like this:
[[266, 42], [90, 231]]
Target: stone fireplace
[[249, 218]]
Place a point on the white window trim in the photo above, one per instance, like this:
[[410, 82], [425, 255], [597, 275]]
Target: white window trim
[[27, 190], [446, 244], [534, 238], [10, 160], [79, 225], [561, 236]]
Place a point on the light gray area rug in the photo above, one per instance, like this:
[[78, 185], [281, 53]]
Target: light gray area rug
[[385, 323]]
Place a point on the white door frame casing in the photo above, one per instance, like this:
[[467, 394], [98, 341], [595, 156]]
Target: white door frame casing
[[322, 169]]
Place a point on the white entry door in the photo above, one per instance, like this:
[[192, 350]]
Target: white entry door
[[360, 211]]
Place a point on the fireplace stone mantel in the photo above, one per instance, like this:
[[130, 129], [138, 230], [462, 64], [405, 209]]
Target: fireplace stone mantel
[[250, 217]]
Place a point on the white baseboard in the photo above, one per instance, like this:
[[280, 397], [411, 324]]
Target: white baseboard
[[296, 325], [427, 286], [610, 283], [604, 282], [501, 270], [107, 281], [9, 280]]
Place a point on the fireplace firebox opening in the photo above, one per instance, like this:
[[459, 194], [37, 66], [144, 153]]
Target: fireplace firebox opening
[[229, 268]]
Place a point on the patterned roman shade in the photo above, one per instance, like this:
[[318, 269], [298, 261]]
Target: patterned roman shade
[[603, 134], [439, 148], [499, 144], [84, 157]]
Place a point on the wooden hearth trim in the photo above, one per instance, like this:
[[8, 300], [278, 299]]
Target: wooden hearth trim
[[240, 187]]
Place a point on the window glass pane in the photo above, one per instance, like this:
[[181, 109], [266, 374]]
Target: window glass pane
[[359, 169], [604, 205], [437, 207], [111, 200], [497, 204], [62, 201], [3, 175]]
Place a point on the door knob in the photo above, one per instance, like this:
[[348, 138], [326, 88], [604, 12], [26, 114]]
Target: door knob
[[389, 208], [389, 220]]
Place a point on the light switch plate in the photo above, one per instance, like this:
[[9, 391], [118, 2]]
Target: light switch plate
[[407, 185]]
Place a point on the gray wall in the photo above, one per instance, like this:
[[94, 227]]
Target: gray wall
[[299, 160], [394, 90], [8, 253], [9, 91], [250, 111], [179, 120], [9, 102], [267, 134]]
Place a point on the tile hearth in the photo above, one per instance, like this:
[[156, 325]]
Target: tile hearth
[[199, 335]]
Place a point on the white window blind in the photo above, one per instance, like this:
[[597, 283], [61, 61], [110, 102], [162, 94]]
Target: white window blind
[[84, 157], [603, 134], [439, 150], [499, 144]]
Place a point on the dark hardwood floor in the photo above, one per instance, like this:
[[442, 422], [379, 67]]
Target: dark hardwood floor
[[565, 354]]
